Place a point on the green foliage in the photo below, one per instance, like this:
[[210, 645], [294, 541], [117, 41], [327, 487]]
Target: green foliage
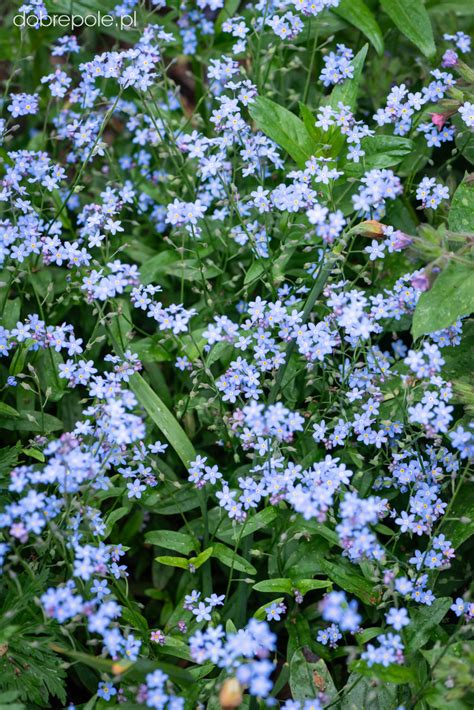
[[358, 14], [451, 296], [413, 21], [284, 128]]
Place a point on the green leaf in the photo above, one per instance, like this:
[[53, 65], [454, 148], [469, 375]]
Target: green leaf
[[163, 419], [231, 559], [363, 694], [451, 296], [31, 421], [202, 557], [412, 19], [310, 123], [308, 585], [277, 585], [358, 14], [231, 531], [11, 313], [310, 676], [423, 621], [171, 561], [179, 501], [380, 152], [256, 522], [8, 458], [458, 531], [149, 350], [184, 563], [311, 526], [346, 577], [464, 137], [218, 350], [284, 128], [368, 634], [154, 268], [461, 212], [180, 542], [116, 515], [34, 454], [7, 411], [254, 272], [347, 92], [286, 585], [460, 7], [391, 674]]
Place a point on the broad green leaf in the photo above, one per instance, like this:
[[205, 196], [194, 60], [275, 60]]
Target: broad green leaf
[[135, 619], [230, 531], [115, 516], [392, 674], [283, 584], [412, 19], [155, 267], [459, 7], [202, 557], [31, 421], [8, 458], [171, 561], [163, 419], [231, 559], [380, 152], [346, 577], [18, 360], [300, 635], [347, 92], [461, 212], [423, 621], [180, 542], [368, 634], [191, 270], [276, 585], [315, 528], [176, 648], [455, 529], [363, 694], [310, 676], [34, 454], [173, 500], [358, 14], [256, 522], [11, 313], [308, 585], [149, 350], [282, 126], [47, 368], [218, 350], [309, 121], [254, 272], [458, 358], [450, 297], [7, 411], [464, 137]]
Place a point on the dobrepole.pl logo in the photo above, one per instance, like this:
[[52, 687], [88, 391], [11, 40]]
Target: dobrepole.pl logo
[[93, 19]]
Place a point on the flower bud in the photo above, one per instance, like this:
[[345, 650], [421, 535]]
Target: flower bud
[[230, 695]]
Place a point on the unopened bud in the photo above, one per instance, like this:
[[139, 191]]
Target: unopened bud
[[369, 228], [230, 695]]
